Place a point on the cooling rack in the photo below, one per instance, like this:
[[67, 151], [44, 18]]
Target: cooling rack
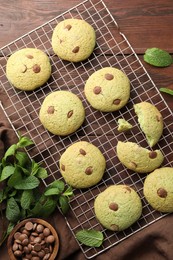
[[21, 109]]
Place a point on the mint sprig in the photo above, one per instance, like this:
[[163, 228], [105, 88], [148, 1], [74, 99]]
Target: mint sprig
[[22, 194]]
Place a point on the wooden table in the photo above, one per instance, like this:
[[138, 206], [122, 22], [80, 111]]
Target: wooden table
[[146, 24]]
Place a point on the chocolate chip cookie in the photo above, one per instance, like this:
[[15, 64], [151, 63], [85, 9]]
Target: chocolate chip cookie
[[158, 189], [62, 113], [107, 89], [73, 40], [82, 165], [150, 120], [118, 207], [138, 158], [28, 69]]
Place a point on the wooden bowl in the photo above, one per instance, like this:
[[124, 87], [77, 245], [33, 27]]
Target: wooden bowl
[[18, 227]]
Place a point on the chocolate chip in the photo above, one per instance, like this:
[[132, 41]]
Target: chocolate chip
[[50, 110], [62, 167], [68, 27], [76, 49], [24, 68], [37, 247], [97, 90], [36, 68], [82, 152], [89, 170], [133, 165], [70, 113], [109, 76], [29, 56], [152, 155], [29, 225], [159, 118], [128, 188], [114, 227], [116, 101], [162, 193], [113, 206]]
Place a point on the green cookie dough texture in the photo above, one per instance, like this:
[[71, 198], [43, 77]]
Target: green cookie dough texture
[[150, 121], [28, 69], [137, 158], [118, 207], [123, 125], [107, 89], [158, 189], [73, 40], [62, 113], [82, 165]]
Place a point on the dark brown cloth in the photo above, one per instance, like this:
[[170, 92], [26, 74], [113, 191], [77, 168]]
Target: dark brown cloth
[[154, 242]]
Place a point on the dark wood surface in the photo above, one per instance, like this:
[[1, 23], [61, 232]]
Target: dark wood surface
[[145, 23]]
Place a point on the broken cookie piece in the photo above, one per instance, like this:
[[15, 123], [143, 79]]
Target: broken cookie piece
[[150, 121], [137, 158], [123, 125]]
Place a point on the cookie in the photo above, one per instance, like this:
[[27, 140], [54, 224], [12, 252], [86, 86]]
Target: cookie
[[73, 40], [123, 125], [28, 69], [150, 121], [62, 113], [82, 165], [138, 158], [118, 207], [107, 89], [158, 189]]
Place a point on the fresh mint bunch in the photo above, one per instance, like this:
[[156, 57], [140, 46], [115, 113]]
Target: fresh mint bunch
[[22, 194]]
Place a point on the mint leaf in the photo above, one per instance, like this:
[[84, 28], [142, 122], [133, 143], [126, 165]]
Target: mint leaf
[[24, 141], [15, 178], [158, 57], [68, 192], [57, 184], [167, 90], [27, 183], [7, 172], [22, 158], [52, 191], [64, 204], [42, 173], [26, 199], [44, 207], [12, 210], [92, 238], [11, 151]]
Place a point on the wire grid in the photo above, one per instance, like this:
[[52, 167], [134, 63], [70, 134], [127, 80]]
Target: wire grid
[[21, 108]]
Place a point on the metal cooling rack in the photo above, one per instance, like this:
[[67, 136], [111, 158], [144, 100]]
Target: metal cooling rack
[[21, 109]]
